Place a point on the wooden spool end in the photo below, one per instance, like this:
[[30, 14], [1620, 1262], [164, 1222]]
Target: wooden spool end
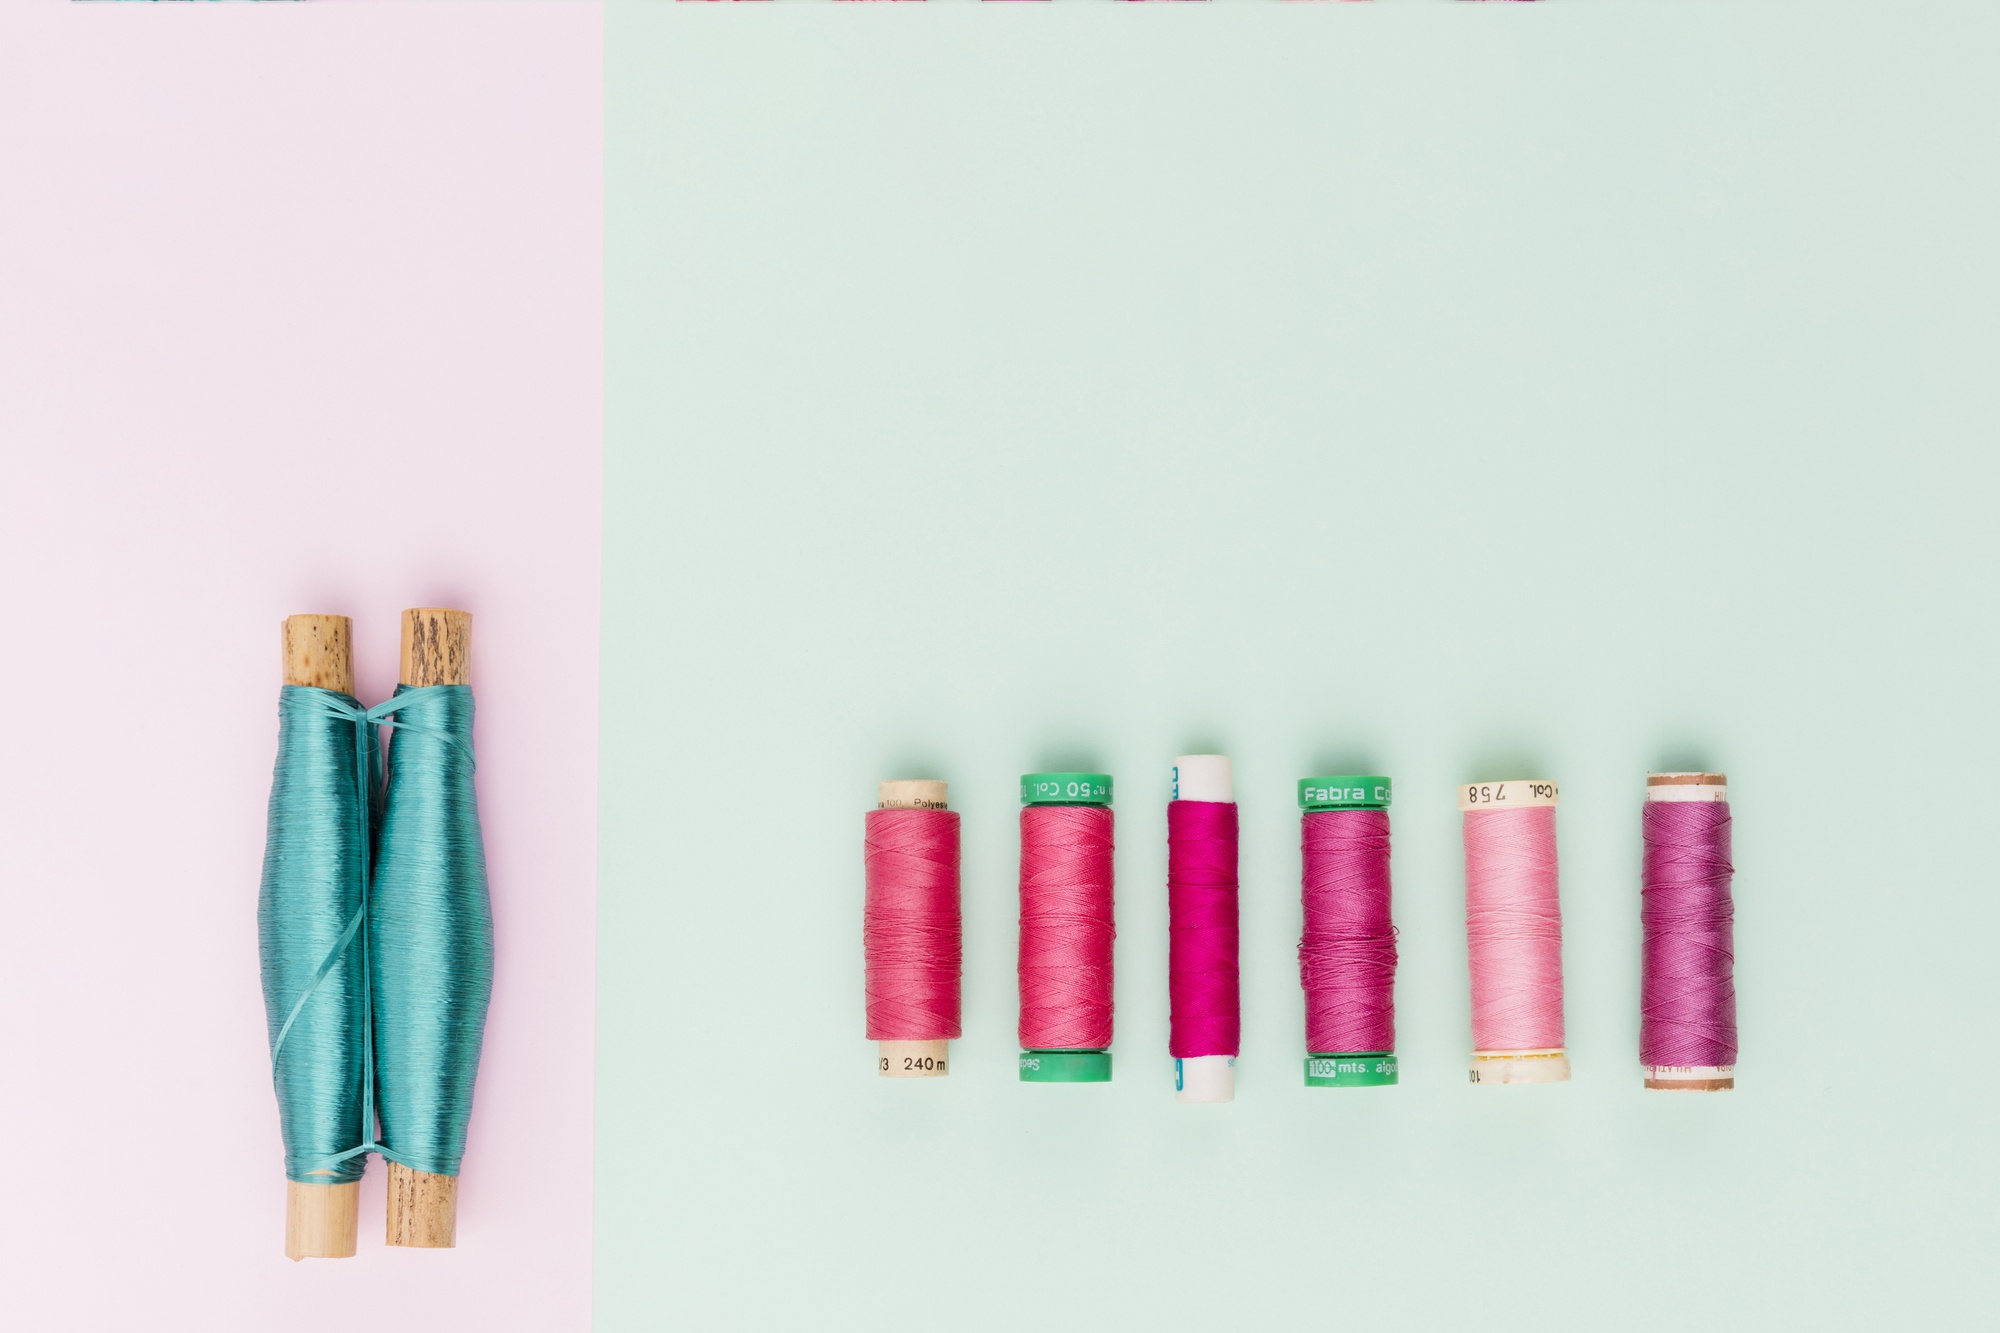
[[437, 647], [321, 1221], [319, 651], [913, 1059], [912, 794], [423, 1209]]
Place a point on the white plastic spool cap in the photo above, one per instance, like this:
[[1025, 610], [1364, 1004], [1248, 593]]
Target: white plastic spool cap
[[1206, 1078], [1204, 777]]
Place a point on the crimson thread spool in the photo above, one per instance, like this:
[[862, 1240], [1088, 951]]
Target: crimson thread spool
[[1204, 991], [1347, 951], [1513, 927], [912, 937], [1687, 1028], [1066, 928]]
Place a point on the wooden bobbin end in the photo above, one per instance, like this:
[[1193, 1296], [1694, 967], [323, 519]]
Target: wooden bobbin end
[[1687, 787], [913, 1059], [321, 1221], [319, 651], [423, 1209], [911, 794], [1543, 1066], [1691, 1078], [437, 647]]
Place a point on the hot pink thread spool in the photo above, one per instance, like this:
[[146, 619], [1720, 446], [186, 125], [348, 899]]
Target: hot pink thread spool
[[1205, 1024], [1513, 928], [911, 935], [1687, 1011], [1066, 928], [1347, 952]]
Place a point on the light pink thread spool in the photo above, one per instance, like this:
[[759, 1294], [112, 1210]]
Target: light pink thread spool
[[1513, 920]]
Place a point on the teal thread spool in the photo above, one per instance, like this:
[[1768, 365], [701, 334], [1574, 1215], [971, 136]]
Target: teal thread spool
[[431, 932], [309, 935]]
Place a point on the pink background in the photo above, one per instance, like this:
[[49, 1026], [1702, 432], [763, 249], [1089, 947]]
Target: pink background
[[300, 310]]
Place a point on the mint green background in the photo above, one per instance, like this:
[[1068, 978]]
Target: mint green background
[[1005, 388]]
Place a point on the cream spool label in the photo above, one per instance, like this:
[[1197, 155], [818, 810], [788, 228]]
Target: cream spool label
[[1543, 1066], [1691, 1078], [1687, 787], [1514, 794], [912, 1059]]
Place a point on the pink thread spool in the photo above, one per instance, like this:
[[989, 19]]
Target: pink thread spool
[[1513, 927], [1204, 992], [911, 933], [1066, 928], [1660, 1037], [1347, 950]]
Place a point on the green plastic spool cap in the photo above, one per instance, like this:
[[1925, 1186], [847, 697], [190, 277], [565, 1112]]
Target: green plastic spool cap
[[1065, 789], [1065, 1066], [1346, 791], [1366, 1069]]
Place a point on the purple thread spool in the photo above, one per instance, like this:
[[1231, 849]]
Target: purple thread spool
[[1687, 1034], [1347, 948]]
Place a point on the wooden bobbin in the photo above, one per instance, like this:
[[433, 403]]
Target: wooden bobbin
[[912, 1059], [1549, 1065], [319, 651], [321, 1221], [1689, 1078], [437, 650]]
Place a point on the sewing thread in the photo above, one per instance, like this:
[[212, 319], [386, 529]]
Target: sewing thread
[[1513, 917], [431, 931], [1688, 985], [912, 939], [1205, 1016], [1347, 948], [311, 929], [1066, 923], [1347, 955]]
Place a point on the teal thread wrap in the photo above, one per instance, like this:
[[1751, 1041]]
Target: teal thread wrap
[[377, 970], [311, 931], [430, 932]]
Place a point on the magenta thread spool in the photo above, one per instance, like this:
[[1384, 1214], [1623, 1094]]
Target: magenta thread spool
[[1347, 949], [911, 932], [1513, 930], [1687, 1012], [1203, 986], [1066, 928]]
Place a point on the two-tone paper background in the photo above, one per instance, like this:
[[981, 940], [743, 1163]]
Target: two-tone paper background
[[806, 394]]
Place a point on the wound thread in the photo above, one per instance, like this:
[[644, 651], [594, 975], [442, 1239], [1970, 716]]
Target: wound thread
[[431, 931], [1347, 954], [312, 932], [1066, 917], [1687, 1029], [1203, 988], [912, 938], [1513, 918]]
